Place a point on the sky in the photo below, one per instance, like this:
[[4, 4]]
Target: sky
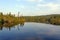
[[30, 7]]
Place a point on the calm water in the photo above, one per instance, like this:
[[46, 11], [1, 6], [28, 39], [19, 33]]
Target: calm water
[[30, 31]]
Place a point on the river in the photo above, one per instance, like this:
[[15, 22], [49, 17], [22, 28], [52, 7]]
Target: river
[[30, 31]]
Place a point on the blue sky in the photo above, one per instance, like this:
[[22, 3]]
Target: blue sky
[[30, 7]]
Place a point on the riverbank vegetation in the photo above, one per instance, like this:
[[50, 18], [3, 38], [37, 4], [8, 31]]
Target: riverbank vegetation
[[12, 19], [51, 19]]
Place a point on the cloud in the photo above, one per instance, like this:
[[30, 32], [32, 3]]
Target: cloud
[[35, 6], [51, 6]]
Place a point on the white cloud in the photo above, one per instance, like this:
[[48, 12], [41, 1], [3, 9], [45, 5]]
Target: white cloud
[[53, 6], [49, 5], [39, 7]]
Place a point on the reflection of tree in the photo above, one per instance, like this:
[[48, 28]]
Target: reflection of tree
[[9, 28], [1, 24], [22, 24], [1, 27], [10, 25]]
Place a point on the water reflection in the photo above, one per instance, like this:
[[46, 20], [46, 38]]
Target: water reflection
[[29, 31], [10, 25]]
